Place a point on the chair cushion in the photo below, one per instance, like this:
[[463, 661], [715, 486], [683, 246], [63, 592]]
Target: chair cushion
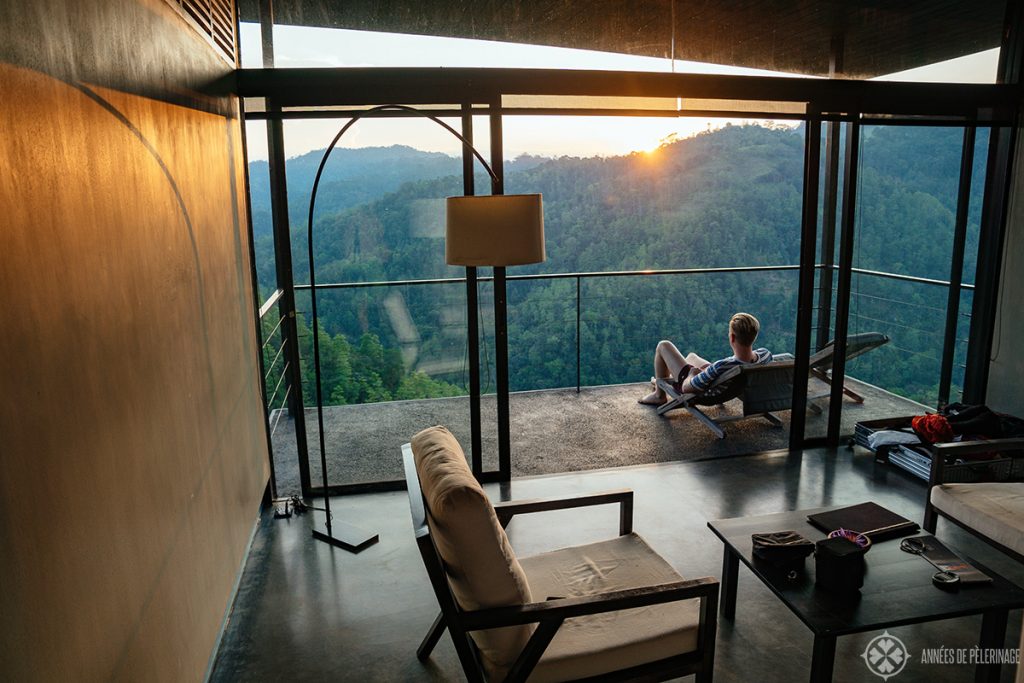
[[588, 646], [994, 510], [482, 569]]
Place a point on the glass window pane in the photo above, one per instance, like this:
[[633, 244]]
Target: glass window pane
[[907, 198], [260, 212], [706, 194], [393, 356]]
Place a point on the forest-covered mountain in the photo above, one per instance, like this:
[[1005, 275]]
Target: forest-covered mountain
[[725, 198], [351, 177]]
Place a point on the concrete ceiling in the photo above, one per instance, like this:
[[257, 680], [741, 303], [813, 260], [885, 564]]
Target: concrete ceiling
[[873, 37]]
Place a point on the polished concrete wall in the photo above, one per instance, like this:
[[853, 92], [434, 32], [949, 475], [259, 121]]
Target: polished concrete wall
[[132, 449], [1006, 371]]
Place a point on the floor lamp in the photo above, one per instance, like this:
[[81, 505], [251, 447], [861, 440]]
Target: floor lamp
[[496, 230]]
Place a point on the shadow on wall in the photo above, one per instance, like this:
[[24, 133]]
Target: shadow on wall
[[134, 445]]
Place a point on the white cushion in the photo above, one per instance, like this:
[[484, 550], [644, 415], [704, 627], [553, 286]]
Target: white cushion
[[482, 569], [994, 510], [588, 646]]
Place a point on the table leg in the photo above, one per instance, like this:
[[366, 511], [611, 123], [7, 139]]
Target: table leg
[[993, 636], [823, 658], [730, 571]]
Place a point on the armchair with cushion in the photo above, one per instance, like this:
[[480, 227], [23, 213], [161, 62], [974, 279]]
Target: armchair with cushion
[[612, 610], [993, 510]]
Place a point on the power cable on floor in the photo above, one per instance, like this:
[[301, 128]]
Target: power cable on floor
[[284, 508]]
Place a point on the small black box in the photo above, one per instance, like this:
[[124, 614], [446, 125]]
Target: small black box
[[783, 550], [839, 565]]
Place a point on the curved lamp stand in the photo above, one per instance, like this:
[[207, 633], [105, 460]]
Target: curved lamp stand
[[350, 537]]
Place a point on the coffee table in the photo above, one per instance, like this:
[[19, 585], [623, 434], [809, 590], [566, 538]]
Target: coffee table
[[897, 591]]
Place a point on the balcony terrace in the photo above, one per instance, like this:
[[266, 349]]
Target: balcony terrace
[[599, 424], [553, 431]]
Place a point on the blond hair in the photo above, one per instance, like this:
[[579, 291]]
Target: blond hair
[[745, 327]]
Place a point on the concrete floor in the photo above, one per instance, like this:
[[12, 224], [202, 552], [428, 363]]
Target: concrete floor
[[598, 427], [307, 612]]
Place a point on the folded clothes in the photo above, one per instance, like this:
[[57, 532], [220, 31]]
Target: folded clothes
[[891, 437], [975, 420]]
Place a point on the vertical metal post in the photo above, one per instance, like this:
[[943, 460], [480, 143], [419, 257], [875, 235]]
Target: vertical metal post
[[805, 295], [472, 318], [501, 373], [990, 252], [850, 172], [1002, 142], [1011, 51], [254, 276], [578, 329], [500, 313], [828, 233], [267, 32], [963, 201], [283, 256], [837, 53]]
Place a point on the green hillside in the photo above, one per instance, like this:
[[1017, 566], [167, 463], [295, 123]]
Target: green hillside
[[726, 198]]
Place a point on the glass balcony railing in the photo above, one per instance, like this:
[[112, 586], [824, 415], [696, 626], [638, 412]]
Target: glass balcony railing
[[599, 328], [911, 311], [274, 366], [572, 332]]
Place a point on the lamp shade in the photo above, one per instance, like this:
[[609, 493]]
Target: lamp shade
[[496, 230]]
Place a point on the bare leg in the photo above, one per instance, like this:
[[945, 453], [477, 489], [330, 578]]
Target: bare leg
[[696, 361], [667, 364], [667, 360]]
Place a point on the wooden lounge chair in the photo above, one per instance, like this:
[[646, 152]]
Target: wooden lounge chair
[[766, 389], [610, 611], [762, 389], [856, 345]]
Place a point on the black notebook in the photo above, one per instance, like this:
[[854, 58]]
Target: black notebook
[[871, 519]]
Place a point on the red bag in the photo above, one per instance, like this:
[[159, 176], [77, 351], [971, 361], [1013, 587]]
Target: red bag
[[932, 428]]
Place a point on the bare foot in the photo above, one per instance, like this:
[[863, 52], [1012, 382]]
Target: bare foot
[[655, 398]]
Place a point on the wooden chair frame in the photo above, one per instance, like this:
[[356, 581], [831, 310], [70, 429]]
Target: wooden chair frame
[[942, 451], [735, 381], [549, 614], [821, 362]]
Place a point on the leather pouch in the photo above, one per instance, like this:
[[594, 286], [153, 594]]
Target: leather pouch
[[784, 549]]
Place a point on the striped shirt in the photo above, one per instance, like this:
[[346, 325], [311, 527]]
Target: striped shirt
[[706, 377]]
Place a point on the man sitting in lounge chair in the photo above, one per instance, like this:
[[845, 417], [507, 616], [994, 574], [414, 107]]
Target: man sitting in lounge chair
[[692, 374]]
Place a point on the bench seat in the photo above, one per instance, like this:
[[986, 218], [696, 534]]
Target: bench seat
[[994, 510]]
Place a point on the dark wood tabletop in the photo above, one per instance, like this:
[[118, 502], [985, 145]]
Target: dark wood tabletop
[[897, 586]]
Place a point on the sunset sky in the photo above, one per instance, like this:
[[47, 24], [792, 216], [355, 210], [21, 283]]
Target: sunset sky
[[548, 136]]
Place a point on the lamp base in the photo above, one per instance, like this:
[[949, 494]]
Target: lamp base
[[347, 537]]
